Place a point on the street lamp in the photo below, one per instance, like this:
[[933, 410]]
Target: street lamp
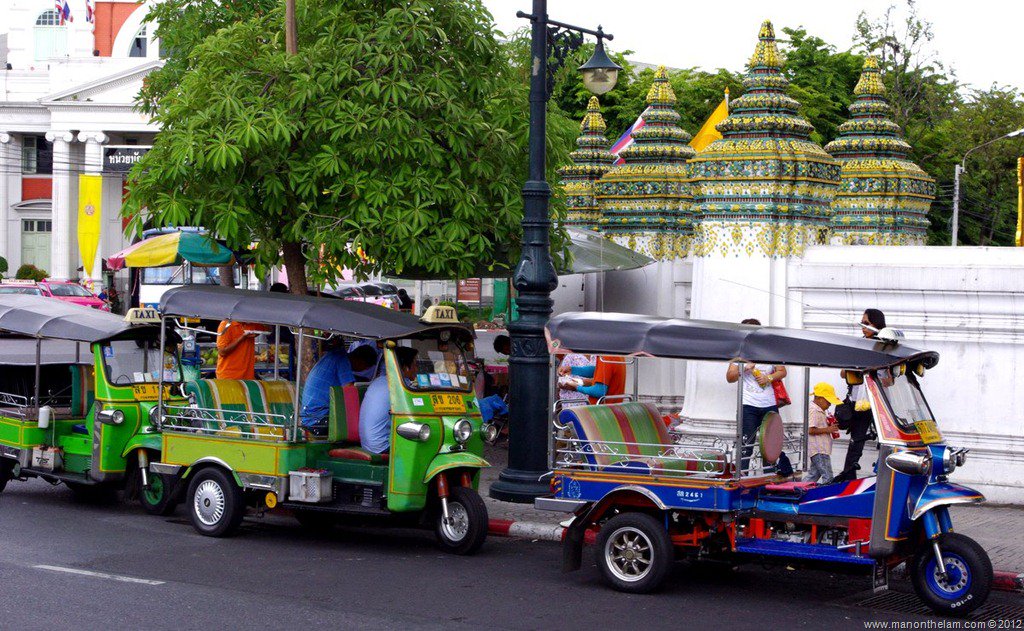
[[534, 277], [959, 169]]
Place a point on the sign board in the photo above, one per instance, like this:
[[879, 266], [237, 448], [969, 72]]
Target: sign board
[[121, 158], [469, 290]]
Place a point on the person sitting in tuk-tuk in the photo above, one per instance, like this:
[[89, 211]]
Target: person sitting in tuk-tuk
[[236, 349], [333, 369], [365, 359], [375, 409], [605, 378]]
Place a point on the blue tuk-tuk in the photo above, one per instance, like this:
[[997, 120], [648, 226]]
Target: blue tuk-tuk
[[651, 495]]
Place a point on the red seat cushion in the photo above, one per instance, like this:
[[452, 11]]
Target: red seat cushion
[[790, 486], [358, 453]]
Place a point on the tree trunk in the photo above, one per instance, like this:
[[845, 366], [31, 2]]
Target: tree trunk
[[291, 31], [295, 267], [227, 275]]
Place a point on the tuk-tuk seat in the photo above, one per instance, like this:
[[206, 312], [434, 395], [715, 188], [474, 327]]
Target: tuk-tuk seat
[[343, 422], [632, 438], [83, 389], [792, 488], [229, 401], [358, 453]]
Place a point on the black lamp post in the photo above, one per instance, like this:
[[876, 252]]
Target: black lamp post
[[535, 275]]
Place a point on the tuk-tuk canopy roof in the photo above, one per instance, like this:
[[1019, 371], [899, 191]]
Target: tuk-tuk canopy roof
[[43, 317], [347, 317], [631, 334]]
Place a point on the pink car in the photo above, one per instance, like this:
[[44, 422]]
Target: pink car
[[59, 289]]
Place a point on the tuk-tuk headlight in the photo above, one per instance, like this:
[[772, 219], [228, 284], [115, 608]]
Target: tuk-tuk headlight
[[909, 462], [110, 417], [489, 431], [419, 432], [953, 458], [463, 430]]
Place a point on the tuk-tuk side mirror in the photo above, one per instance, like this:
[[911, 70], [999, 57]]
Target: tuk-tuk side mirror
[[854, 378]]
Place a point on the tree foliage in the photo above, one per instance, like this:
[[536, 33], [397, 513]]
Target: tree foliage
[[394, 140]]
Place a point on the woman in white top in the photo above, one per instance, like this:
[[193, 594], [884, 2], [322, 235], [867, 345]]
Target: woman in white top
[[758, 400]]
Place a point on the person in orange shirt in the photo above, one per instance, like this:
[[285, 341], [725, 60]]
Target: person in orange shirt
[[236, 349], [606, 378]]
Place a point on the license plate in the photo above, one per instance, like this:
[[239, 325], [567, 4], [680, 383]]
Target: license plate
[[929, 432], [148, 391], [448, 403]]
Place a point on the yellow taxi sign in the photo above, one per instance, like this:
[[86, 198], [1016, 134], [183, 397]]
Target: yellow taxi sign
[[440, 314], [142, 315]]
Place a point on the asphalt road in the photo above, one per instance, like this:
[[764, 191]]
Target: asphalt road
[[160, 574]]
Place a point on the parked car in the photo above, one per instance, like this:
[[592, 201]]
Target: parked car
[[375, 294], [64, 290]]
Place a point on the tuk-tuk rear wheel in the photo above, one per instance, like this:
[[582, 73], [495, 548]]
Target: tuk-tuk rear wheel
[[968, 579], [634, 552], [216, 504], [467, 527]]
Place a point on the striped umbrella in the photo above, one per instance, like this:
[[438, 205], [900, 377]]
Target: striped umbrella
[[175, 248]]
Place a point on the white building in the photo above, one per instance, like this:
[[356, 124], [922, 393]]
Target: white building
[[66, 105]]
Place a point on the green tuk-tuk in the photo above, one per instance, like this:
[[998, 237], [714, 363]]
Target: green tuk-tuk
[[241, 443], [78, 388]]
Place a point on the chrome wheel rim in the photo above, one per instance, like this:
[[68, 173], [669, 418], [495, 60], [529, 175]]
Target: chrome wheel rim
[[208, 504], [629, 554], [456, 527], [956, 568]]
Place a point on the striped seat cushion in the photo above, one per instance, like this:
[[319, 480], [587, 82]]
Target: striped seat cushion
[[629, 437], [227, 404], [343, 422]]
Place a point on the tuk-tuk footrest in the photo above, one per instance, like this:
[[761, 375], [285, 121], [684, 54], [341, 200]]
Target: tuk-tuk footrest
[[794, 550]]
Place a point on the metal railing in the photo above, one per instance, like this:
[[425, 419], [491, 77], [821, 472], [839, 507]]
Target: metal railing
[[262, 426], [14, 405]]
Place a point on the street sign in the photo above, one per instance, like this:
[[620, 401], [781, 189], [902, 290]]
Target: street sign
[[120, 158], [469, 290]]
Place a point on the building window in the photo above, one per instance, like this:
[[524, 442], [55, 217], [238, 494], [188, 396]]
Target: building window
[[51, 37], [36, 225], [139, 44], [36, 155]]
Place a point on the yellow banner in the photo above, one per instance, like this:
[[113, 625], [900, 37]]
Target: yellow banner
[[90, 195], [1020, 202], [708, 134]]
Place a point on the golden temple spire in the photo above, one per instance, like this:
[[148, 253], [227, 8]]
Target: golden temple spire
[[661, 91], [592, 120], [766, 55], [870, 79]]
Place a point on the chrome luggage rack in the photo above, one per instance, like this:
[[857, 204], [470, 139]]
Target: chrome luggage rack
[[263, 426]]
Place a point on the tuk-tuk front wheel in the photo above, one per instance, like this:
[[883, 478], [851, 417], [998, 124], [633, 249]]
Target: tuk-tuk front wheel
[[968, 579], [157, 499], [466, 528], [634, 552], [6, 472], [216, 504]]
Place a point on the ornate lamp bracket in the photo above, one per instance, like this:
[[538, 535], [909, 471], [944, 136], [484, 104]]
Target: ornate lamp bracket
[[562, 42]]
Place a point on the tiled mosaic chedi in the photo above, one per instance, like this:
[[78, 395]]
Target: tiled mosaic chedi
[[884, 197], [764, 189], [590, 161], [645, 202]]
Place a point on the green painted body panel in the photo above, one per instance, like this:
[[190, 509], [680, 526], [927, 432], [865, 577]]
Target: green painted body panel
[[354, 471], [408, 484], [15, 432], [458, 460], [242, 455], [153, 442]]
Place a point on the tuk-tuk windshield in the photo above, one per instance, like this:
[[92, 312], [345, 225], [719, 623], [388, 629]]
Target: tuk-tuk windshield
[[905, 399], [138, 361], [446, 369]]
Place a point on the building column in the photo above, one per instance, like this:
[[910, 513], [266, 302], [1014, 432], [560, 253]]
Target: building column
[[60, 244], [8, 163], [94, 141]]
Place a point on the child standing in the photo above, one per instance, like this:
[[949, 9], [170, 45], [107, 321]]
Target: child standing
[[819, 434]]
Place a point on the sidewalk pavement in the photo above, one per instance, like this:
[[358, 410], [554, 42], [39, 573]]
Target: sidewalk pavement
[[998, 528]]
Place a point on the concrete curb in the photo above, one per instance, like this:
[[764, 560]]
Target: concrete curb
[[1001, 580]]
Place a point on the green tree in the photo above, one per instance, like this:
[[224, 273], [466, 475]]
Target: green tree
[[394, 140], [822, 79]]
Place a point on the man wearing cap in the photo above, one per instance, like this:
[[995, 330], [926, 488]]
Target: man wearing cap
[[819, 434]]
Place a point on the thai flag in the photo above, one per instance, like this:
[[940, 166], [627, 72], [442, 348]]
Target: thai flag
[[90, 11], [626, 139], [63, 10]]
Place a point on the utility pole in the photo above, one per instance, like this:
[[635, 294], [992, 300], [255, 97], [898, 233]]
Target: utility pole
[[955, 229]]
